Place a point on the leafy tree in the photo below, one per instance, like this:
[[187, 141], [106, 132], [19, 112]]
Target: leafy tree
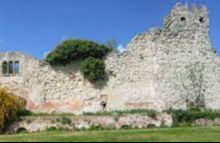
[[90, 53], [71, 50], [93, 69]]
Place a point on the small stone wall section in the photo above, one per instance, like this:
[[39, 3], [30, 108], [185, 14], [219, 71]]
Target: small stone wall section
[[36, 124]]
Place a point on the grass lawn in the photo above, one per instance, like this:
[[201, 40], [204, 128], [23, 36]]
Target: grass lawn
[[188, 134]]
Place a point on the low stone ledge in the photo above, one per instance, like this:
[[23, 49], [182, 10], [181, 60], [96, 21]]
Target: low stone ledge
[[43, 123], [207, 122]]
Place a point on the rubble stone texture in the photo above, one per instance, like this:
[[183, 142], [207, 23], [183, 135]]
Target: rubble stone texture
[[162, 69], [36, 124]]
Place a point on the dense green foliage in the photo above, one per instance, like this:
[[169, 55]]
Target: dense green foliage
[[10, 107], [73, 50], [150, 113], [93, 69], [186, 117], [90, 53], [183, 134], [65, 120]]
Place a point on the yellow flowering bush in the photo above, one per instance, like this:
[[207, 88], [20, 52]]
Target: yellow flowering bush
[[10, 107]]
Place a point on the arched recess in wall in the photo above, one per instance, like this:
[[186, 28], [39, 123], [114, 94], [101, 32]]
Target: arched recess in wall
[[16, 67], [10, 67], [104, 101], [4, 67]]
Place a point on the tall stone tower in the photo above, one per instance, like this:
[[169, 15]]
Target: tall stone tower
[[186, 62], [186, 59], [171, 67], [182, 18]]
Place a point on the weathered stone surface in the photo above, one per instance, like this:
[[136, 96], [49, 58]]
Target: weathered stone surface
[[162, 69], [140, 121], [35, 124], [207, 122]]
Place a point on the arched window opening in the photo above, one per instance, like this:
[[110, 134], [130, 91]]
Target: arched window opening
[[104, 101], [10, 68], [16, 67], [104, 105], [4, 68]]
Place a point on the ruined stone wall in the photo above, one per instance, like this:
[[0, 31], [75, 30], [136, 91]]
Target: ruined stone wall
[[51, 89], [162, 68], [132, 83], [188, 64], [170, 67]]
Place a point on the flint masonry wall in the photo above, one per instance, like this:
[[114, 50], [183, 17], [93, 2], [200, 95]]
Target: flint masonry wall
[[51, 89], [169, 67], [163, 68]]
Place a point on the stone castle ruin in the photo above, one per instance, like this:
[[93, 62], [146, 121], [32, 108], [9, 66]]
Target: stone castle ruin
[[172, 67]]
